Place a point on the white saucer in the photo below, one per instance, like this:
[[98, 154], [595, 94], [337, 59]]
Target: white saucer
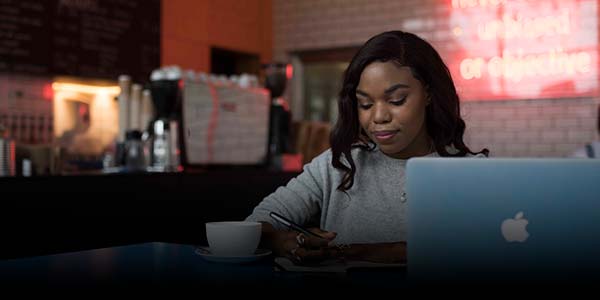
[[205, 253]]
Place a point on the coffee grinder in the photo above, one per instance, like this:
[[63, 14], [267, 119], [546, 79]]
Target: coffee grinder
[[275, 80], [164, 129]]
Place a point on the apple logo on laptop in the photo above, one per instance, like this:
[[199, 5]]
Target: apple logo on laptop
[[514, 230]]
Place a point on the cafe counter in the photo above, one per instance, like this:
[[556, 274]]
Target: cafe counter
[[56, 214]]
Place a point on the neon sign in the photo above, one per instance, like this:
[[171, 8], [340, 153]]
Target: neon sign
[[523, 49]]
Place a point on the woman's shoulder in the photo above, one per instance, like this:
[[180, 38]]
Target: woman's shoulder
[[325, 159], [324, 156], [319, 163]]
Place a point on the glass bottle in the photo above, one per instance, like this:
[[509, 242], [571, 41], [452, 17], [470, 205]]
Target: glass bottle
[[134, 151]]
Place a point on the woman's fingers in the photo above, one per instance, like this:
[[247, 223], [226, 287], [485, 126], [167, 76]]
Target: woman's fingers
[[330, 235], [290, 249], [315, 242], [288, 244], [304, 248]]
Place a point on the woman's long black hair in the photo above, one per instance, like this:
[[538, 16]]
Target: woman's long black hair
[[443, 121]]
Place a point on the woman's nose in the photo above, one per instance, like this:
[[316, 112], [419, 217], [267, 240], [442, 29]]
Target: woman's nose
[[381, 114]]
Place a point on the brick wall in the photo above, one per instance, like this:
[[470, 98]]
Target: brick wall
[[537, 128], [544, 128]]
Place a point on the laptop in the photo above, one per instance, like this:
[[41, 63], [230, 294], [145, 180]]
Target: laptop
[[496, 220]]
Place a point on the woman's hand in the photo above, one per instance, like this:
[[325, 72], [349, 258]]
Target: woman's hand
[[297, 246], [310, 249]]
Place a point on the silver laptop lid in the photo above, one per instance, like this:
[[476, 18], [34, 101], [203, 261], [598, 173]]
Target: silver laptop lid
[[503, 218]]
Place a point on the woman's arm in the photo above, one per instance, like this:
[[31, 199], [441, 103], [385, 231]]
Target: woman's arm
[[301, 199], [277, 240], [310, 249]]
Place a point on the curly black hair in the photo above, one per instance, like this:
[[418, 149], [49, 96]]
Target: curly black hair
[[444, 123]]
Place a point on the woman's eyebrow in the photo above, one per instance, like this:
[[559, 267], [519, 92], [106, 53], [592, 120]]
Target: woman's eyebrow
[[387, 91], [394, 87], [365, 94]]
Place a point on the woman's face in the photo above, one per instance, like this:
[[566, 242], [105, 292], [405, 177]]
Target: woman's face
[[391, 109]]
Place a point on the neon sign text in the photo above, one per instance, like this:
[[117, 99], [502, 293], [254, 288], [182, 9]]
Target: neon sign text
[[517, 26], [517, 66], [524, 49]]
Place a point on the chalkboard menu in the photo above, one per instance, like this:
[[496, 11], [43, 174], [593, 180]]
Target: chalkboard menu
[[86, 38]]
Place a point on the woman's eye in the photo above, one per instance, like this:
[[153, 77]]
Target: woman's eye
[[398, 102], [365, 106]]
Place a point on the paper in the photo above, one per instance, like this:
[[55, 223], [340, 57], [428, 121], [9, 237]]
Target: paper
[[331, 266]]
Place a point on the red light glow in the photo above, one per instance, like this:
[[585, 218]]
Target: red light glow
[[48, 92], [524, 49], [289, 71]]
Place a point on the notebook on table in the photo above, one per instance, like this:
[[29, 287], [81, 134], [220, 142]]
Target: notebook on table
[[330, 266]]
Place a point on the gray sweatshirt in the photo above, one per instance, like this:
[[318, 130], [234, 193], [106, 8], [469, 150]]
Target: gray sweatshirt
[[372, 211]]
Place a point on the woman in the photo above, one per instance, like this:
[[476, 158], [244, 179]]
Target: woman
[[398, 101]]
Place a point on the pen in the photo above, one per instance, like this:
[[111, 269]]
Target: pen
[[281, 219]]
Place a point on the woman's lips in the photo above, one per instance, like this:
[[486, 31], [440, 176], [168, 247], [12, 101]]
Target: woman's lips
[[384, 135]]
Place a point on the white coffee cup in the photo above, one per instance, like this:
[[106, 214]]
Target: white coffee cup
[[233, 238]]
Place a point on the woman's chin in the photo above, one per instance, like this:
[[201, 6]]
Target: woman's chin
[[391, 150]]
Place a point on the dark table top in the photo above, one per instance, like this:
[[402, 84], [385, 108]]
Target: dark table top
[[167, 264]]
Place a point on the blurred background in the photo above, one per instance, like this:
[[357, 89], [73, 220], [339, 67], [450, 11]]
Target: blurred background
[[188, 75], [140, 120]]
